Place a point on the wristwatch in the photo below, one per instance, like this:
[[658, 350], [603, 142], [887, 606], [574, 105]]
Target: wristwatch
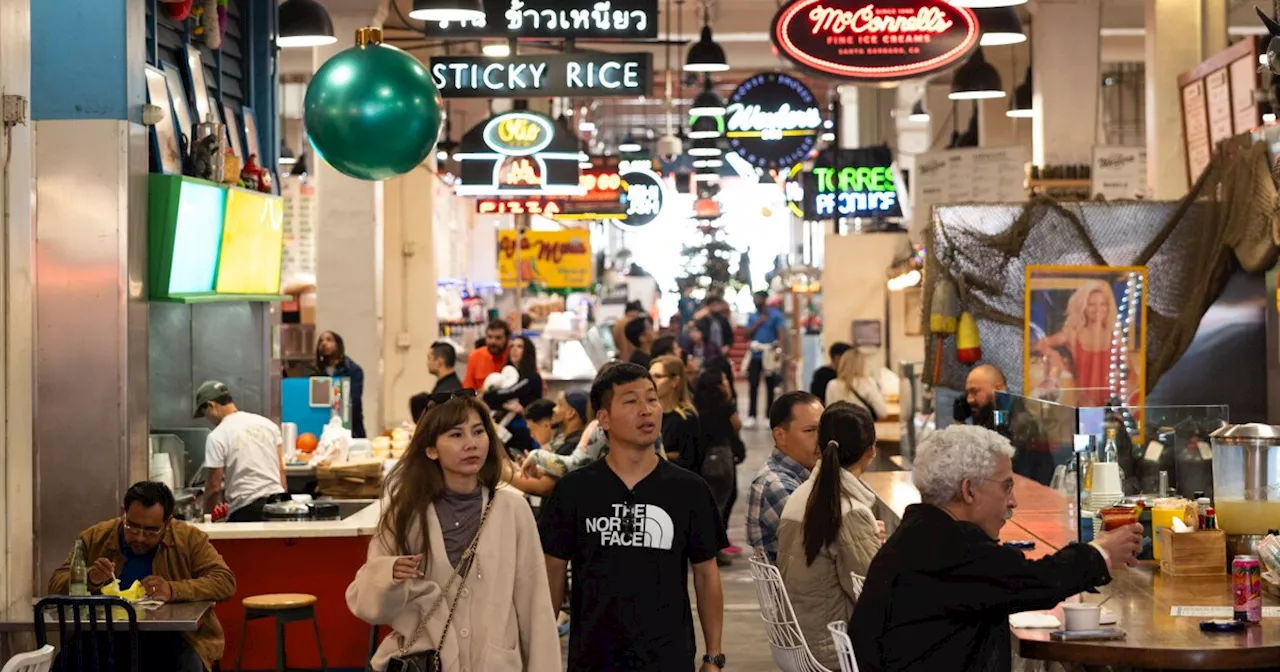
[[717, 660]]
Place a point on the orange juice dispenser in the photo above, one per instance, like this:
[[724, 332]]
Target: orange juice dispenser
[[1246, 483]]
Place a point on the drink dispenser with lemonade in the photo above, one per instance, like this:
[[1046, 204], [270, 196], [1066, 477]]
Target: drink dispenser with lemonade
[[1246, 483]]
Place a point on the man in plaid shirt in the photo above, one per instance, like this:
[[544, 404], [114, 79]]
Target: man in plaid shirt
[[794, 420]]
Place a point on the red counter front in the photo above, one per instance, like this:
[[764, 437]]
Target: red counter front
[[320, 566]]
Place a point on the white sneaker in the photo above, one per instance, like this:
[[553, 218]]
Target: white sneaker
[[749, 423]]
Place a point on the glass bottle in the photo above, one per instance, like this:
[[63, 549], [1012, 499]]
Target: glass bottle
[[1110, 452], [79, 572]]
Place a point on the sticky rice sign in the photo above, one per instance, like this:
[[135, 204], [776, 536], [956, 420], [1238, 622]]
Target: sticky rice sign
[[551, 259]]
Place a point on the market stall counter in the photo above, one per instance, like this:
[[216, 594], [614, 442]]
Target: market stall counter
[[317, 557], [1159, 613]]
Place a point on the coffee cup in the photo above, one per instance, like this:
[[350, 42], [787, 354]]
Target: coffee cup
[[1081, 616]]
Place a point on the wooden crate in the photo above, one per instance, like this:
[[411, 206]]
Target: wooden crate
[[1202, 553]]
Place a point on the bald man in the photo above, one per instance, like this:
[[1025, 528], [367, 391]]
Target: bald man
[[979, 400]]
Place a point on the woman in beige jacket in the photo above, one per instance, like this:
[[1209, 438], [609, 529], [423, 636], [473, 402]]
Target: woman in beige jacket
[[828, 532], [481, 557]]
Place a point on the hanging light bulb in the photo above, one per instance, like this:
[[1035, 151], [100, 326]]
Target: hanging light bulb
[[629, 145], [976, 79], [304, 23], [497, 50]]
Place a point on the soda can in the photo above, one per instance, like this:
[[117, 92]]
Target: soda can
[[1246, 586]]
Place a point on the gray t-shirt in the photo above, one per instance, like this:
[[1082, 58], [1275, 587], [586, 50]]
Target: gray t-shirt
[[459, 517]]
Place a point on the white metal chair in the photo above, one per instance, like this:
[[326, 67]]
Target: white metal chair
[[35, 661], [844, 647], [858, 582], [790, 651]]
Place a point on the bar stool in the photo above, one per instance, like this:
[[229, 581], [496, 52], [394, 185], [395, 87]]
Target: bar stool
[[284, 608]]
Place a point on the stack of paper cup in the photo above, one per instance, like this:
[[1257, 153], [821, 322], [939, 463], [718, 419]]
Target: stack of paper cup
[[1107, 489]]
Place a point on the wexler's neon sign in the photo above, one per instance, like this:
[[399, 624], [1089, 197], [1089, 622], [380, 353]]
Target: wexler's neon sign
[[749, 121], [855, 192], [772, 120], [875, 40]]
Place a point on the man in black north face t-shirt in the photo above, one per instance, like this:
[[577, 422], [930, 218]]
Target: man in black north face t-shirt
[[632, 523]]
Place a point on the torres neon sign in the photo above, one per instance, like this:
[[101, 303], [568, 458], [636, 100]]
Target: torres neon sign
[[881, 41]]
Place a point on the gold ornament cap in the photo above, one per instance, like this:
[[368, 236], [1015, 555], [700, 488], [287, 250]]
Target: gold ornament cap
[[369, 35]]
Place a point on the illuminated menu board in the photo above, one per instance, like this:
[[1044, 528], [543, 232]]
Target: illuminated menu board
[[251, 244]]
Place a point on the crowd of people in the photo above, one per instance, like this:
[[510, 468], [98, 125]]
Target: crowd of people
[[506, 502]]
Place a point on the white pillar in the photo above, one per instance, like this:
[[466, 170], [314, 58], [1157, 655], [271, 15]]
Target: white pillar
[[995, 128], [1174, 46], [349, 252], [866, 116], [17, 331], [1065, 42], [410, 286], [1213, 22]]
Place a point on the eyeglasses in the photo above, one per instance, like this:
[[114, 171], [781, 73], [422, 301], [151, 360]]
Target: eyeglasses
[[1007, 483], [138, 529]]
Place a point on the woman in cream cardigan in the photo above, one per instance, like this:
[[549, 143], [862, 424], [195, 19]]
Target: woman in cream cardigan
[[828, 532], [480, 558]]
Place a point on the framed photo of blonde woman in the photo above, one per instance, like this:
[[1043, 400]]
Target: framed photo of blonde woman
[[1084, 335]]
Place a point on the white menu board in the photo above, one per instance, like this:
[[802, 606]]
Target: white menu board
[[1119, 173], [1195, 122], [1218, 94], [300, 210], [973, 175]]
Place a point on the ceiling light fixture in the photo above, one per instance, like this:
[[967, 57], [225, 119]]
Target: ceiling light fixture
[[706, 55], [707, 103], [999, 26], [447, 10], [304, 23], [918, 113], [629, 145], [976, 79], [705, 148], [706, 127], [587, 126], [499, 50], [1020, 104]]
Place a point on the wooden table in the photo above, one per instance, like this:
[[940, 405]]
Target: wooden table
[[1141, 597], [174, 617]]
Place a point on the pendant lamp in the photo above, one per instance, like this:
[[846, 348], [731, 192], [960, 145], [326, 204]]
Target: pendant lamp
[[976, 79], [999, 26], [706, 147], [629, 145], [918, 112], [447, 10], [1020, 106], [304, 23], [974, 4], [707, 103], [707, 127], [706, 55]]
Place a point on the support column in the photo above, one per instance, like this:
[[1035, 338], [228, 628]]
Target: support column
[[866, 116], [17, 331], [349, 251], [995, 128], [92, 314], [1213, 26], [1065, 41], [1173, 45]]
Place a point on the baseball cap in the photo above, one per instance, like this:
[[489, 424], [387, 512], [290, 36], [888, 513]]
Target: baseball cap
[[209, 391], [577, 401]]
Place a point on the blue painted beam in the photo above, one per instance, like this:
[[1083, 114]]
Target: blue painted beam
[[87, 59]]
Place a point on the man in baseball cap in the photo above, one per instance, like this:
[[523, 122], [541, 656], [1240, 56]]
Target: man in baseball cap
[[244, 454]]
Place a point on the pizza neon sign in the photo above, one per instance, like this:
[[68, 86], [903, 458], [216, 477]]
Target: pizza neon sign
[[519, 154], [518, 206], [875, 40]]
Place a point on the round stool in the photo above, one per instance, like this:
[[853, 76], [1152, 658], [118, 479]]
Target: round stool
[[284, 608]]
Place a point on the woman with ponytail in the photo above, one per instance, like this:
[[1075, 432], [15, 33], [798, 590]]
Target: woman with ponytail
[[827, 531]]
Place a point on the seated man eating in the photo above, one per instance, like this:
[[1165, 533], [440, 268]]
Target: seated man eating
[[173, 561], [939, 594]]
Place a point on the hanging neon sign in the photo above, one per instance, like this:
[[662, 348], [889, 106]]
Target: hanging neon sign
[[519, 206], [772, 120], [519, 154], [645, 196], [875, 40], [853, 183]]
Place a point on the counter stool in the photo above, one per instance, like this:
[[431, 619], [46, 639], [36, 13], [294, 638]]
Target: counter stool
[[285, 608]]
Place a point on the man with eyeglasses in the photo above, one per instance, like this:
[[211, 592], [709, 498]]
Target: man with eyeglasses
[[173, 561], [939, 594], [244, 455]]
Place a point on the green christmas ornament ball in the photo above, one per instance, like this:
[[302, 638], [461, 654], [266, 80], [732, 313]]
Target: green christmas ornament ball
[[372, 111]]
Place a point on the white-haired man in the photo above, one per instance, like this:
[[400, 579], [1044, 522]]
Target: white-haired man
[[939, 593]]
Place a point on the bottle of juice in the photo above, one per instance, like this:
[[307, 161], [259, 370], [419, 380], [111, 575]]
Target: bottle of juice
[[79, 572]]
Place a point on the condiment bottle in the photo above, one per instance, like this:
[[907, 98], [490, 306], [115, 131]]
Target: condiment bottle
[[1202, 503]]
